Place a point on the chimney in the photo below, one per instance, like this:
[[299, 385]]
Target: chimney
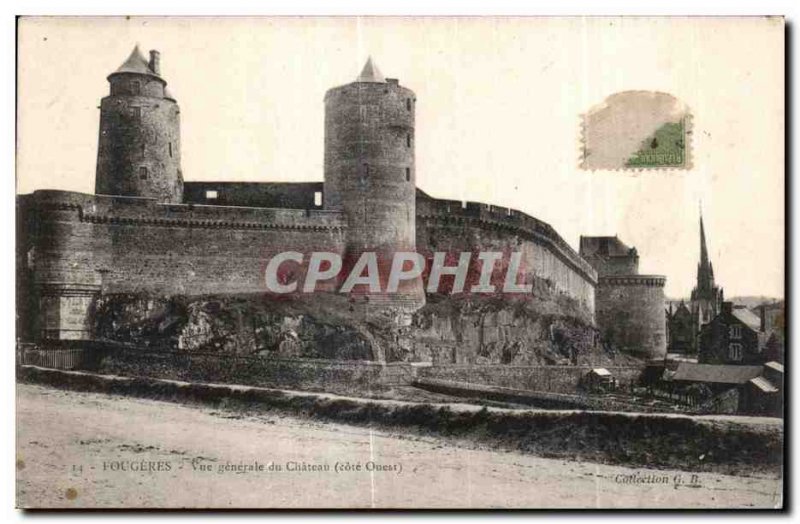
[[155, 62], [727, 308], [762, 314]]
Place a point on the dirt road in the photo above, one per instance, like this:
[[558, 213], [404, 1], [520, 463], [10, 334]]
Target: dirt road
[[91, 450]]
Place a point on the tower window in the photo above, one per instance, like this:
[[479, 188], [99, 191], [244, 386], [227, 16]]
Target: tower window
[[137, 113], [144, 148], [317, 198], [211, 195], [408, 174], [408, 104], [136, 87], [143, 173]]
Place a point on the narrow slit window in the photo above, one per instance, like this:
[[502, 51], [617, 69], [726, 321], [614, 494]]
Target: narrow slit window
[[364, 174], [408, 104], [211, 194], [170, 149], [408, 174], [317, 198], [408, 140], [143, 173]]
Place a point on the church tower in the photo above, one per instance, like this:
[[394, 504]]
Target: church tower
[[370, 175], [706, 300], [139, 152]]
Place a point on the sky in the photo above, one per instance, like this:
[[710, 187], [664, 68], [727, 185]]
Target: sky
[[498, 116]]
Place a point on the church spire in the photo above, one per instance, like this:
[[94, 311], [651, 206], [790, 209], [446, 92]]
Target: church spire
[[705, 271], [703, 250]]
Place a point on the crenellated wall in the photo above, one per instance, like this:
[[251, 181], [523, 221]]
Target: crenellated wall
[[80, 245], [453, 226]]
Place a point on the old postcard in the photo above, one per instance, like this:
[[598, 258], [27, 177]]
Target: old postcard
[[400, 262]]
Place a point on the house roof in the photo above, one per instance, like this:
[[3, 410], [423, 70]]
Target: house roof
[[714, 373], [777, 366], [763, 384], [603, 372], [604, 246], [748, 318], [682, 309]]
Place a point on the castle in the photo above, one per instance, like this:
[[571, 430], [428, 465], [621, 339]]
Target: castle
[[147, 230]]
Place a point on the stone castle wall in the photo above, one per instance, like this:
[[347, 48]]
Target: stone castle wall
[[80, 245], [129, 245], [453, 226]]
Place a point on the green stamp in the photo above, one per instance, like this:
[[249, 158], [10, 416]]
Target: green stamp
[[666, 148], [637, 130]]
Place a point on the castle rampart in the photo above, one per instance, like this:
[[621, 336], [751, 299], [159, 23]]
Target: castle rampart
[[134, 245]]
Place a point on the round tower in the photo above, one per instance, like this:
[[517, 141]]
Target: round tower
[[139, 152], [370, 175]]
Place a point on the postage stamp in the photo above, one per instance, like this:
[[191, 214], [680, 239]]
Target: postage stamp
[[352, 263], [637, 130]]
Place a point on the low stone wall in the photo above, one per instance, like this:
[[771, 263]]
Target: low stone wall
[[305, 374], [335, 376], [554, 379], [539, 399]]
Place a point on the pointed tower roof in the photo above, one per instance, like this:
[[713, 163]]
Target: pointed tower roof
[[371, 73], [703, 249], [136, 63]]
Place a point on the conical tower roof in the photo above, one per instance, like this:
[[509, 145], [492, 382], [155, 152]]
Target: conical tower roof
[[371, 73], [136, 63]]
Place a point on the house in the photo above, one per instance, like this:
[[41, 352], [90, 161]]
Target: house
[[773, 323], [681, 331], [734, 336], [598, 379], [743, 389]]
